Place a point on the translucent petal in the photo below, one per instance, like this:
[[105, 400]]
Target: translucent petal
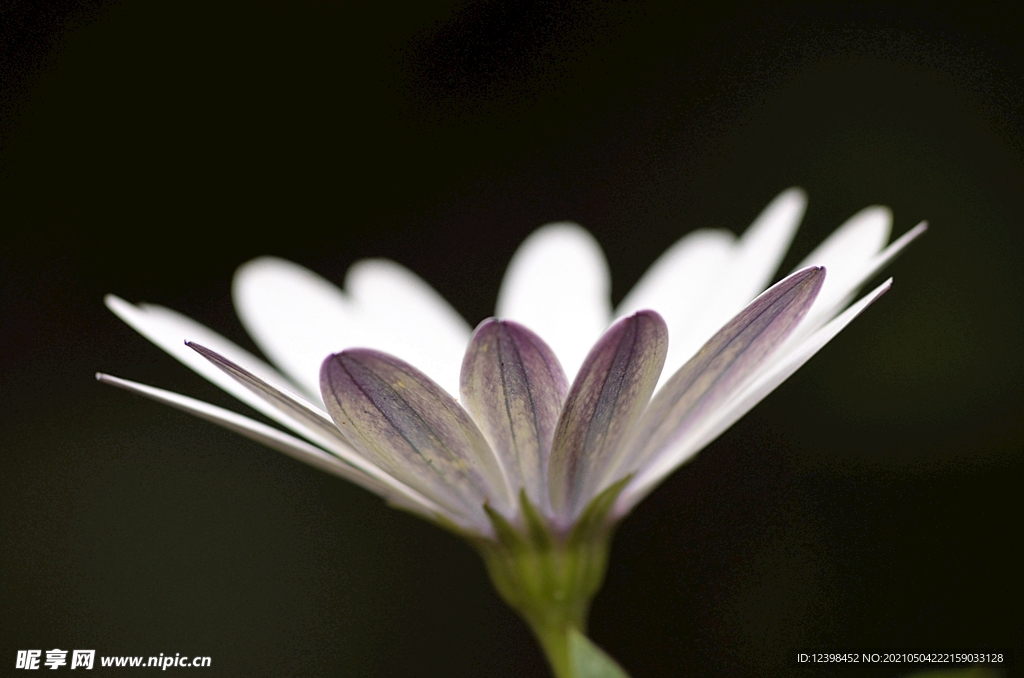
[[611, 390], [748, 269], [405, 317], [774, 371], [314, 423], [677, 283], [410, 427], [280, 441], [557, 284], [826, 307], [514, 387], [723, 366], [298, 318], [848, 249], [170, 330]]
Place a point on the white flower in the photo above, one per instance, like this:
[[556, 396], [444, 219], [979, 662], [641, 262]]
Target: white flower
[[557, 286]]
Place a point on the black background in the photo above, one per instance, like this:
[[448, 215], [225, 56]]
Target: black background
[[149, 148]]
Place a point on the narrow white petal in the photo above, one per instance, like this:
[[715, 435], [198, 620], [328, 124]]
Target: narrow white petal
[[282, 442], [303, 416], [849, 247], [557, 285], [403, 316], [677, 283], [852, 275], [170, 330], [317, 426], [791, 358], [298, 318], [765, 243], [740, 277]]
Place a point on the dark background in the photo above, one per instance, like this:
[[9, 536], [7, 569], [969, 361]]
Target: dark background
[[149, 148]]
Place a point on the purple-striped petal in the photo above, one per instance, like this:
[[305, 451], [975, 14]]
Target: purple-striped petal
[[722, 365], [410, 427], [609, 393], [514, 387]]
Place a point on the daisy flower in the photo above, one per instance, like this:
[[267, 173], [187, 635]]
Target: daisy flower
[[535, 434]]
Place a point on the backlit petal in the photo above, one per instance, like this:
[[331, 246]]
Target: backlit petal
[[737, 278], [677, 284], [609, 393], [298, 318], [557, 284], [410, 427], [723, 365], [826, 307], [391, 299], [514, 387], [170, 330], [775, 371]]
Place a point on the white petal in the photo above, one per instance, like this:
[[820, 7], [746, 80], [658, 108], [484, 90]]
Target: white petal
[[853, 274], [298, 318], [170, 330], [791, 358], [303, 416], [763, 246], [845, 253], [401, 315], [677, 283], [743, 275], [282, 442], [317, 425], [557, 285]]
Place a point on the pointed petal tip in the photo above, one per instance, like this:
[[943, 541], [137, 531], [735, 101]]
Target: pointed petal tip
[[203, 351], [111, 380], [807, 275], [877, 293], [115, 303]]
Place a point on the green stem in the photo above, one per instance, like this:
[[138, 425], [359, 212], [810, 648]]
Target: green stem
[[550, 582], [550, 576], [554, 640]]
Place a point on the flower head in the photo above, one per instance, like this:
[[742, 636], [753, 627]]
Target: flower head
[[534, 435]]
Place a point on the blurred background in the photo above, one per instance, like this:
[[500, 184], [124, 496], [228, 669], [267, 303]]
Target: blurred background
[[148, 149]]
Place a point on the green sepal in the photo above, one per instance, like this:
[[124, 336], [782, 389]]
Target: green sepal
[[593, 522]]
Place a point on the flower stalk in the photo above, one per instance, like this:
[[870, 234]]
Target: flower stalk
[[549, 576]]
